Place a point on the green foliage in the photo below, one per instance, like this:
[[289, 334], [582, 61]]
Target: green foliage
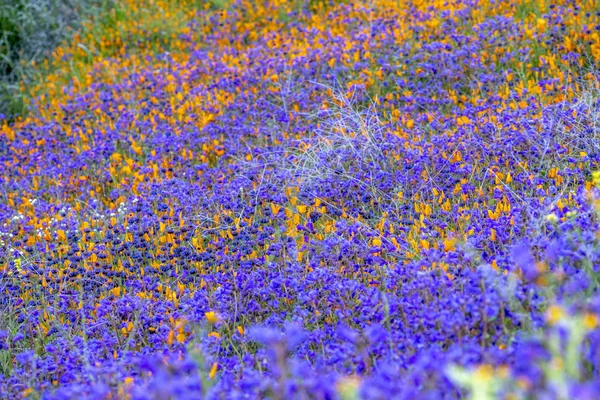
[[526, 8], [29, 31], [218, 4]]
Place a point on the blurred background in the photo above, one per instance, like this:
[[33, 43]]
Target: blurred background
[[29, 31]]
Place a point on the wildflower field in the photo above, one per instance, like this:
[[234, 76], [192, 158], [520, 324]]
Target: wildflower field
[[305, 199]]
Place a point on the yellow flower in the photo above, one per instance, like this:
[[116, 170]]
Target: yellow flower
[[463, 120], [213, 371], [450, 243], [541, 24], [212, 317], [596, 178], [484, 372], [590, 321], [554, 314]]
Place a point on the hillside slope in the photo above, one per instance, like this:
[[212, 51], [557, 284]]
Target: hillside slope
[[315, 199]]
